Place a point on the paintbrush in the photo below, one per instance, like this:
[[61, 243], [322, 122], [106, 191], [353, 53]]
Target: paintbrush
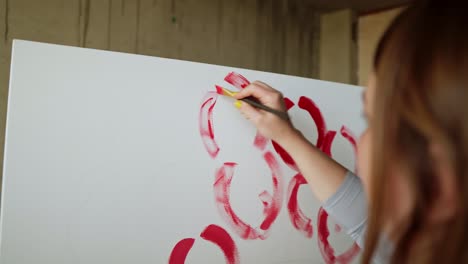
[[253, 102]]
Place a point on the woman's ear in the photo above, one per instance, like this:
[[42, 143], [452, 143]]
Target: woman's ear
[[445, 203]]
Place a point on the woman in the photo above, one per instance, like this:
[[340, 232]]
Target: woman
[[413, 157]]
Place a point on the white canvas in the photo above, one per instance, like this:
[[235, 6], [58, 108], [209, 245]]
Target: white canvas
[[105, 163]]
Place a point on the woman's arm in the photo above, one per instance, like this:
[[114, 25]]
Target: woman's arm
[[323, 174], [340, 191]]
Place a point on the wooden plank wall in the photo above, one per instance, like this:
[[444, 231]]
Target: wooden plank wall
[[370, 29], [337, 57], [269, 35]]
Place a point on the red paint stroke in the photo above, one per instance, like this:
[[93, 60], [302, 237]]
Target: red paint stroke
[[260, 141], [241, 82], [324, 139], [299, 220], [222, 191], [313, 110], [337, 228], [236, 80], [284, 155], [327, 251], [223, 240], [272, 203], [287, 159], [348, 135], [327, 142], [180, 251], [219, 90], [205, 123], [288, 103]]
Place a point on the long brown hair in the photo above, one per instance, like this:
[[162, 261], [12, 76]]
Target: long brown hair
[[421, 67]]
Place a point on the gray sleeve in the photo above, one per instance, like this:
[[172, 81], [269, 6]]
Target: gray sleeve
[[348, 207]]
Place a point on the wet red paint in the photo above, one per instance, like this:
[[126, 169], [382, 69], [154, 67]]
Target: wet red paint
[[297, 217], [288, 103], [324, 139], [308, 105], [219, 90], [213, 233], [237, 80], [327, 251], [223, 240], [287, 159], [327, 142], [180, 251], [205, 124], [222, 196], [348, 135], [260, 141], [272, 203]]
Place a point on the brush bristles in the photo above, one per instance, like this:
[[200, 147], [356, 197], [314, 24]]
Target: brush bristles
[[223, 91], [220, 90]]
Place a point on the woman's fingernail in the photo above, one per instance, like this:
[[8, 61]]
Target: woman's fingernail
[[238, 104]]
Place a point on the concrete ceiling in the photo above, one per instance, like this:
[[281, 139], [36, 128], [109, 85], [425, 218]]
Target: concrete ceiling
[[360, 6]]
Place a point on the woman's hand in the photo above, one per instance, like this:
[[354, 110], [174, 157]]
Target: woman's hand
[[268, 124]]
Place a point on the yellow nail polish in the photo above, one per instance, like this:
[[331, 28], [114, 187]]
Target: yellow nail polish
[[238, 104]]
